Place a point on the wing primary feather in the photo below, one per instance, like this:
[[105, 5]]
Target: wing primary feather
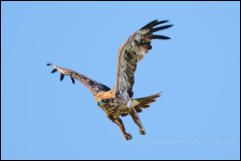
[[149, 25], [92, 85], [160, 28], [54, 70], [160, 22], [72, 80], [160, 37], [153, 23], [61, 77]]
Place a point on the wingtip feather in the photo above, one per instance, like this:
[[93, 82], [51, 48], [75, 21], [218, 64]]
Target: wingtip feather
[[61, 77], [54, 70], [73, 81], [160, 37], [160, 28], [154, 23]]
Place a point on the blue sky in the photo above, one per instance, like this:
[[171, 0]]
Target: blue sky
[[198, 71]]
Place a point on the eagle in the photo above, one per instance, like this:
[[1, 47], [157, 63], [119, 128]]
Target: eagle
[[118, 101]]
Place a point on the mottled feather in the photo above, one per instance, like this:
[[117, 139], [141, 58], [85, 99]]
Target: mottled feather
[[118, 101], [92, 85], [132, 51]]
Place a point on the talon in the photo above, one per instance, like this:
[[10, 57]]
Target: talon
[[128, 136], [142, 131]]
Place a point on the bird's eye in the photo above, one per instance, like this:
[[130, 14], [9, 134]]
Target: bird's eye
[[105, 101]]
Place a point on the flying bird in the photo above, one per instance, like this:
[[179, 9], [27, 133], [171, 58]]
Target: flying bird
[[118, 101]]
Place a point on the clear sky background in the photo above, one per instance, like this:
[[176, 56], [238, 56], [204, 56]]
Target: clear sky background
[[198, 71]]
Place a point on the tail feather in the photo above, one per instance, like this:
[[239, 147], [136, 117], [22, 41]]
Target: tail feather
[[144, 102]]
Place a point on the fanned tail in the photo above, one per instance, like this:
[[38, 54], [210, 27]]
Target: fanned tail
[[144, 102]]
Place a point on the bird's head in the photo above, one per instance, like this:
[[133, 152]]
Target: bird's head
[[105, 98], [103, 102]]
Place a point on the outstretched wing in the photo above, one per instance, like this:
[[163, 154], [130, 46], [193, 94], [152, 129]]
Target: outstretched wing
[[92, 85], [132, 51]]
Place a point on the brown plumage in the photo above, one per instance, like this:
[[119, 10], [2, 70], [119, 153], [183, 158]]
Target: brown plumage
[[94, 87], [132, 51], [118, 101]]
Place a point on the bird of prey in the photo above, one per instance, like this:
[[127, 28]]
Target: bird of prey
[[119, 100]]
